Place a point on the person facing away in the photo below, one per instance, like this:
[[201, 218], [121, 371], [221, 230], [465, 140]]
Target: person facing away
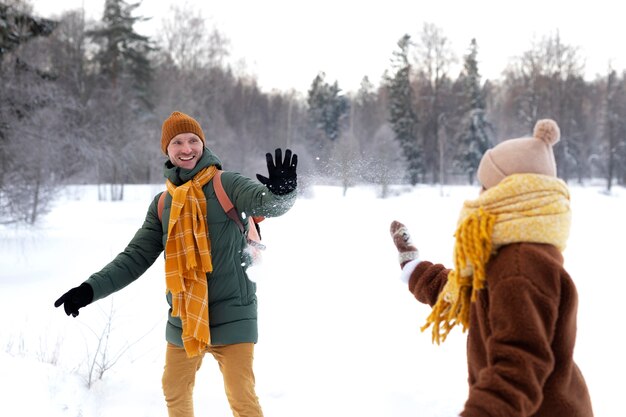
[[213, 304], [508, 285]]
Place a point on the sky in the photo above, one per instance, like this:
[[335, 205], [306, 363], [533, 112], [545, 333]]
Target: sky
[[286, 43], [338, 331]]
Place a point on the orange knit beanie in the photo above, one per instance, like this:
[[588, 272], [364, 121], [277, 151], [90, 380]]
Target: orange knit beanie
[[176, 124]]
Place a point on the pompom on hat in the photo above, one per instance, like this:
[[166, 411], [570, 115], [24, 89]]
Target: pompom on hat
[[527, 155], [176, 124]]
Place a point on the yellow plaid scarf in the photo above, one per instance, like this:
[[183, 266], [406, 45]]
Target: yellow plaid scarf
[[188, 259], [522, 208]]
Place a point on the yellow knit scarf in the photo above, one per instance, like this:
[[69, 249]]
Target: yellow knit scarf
[[522, 208], [188, 259]]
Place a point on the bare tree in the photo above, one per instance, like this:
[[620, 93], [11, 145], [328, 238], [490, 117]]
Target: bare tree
[[189, 43], [345, 160], [104, 357], [614, 126], [26, 94], [539, 84], [434, 58]]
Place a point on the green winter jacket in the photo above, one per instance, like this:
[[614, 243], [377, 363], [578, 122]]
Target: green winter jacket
[[232, 296]]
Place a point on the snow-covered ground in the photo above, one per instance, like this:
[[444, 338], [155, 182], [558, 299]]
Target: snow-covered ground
[[339, 333]]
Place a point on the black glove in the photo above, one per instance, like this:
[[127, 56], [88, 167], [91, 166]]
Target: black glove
[[75, 298], [282, 175]]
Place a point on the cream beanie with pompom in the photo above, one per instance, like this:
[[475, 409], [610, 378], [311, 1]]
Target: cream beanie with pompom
[[528, 155]]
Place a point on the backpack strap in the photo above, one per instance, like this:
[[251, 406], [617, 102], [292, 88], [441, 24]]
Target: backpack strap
[[222, 197], [225, 202], [161, 205]]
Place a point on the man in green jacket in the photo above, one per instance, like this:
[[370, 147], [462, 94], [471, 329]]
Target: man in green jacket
[[213, 306]]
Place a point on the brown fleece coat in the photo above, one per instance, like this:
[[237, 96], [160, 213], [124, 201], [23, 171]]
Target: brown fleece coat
[[521, 335]]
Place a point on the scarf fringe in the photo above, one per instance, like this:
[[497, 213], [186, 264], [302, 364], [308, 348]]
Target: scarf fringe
[[474, 247]]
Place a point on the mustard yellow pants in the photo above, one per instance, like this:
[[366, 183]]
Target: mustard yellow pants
[[235, 362]]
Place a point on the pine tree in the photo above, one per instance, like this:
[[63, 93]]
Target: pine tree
[[475, 135], [123, 74], [367, 114], [18, 27], [327, 107], [122, 57], [402, 116], [327, 111]]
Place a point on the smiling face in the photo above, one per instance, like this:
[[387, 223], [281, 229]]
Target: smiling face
[[185, 150]]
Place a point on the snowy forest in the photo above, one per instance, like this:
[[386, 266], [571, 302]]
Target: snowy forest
[[82, 102]]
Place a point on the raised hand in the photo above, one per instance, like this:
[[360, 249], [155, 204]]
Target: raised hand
[[402, 239], [282, 173]]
